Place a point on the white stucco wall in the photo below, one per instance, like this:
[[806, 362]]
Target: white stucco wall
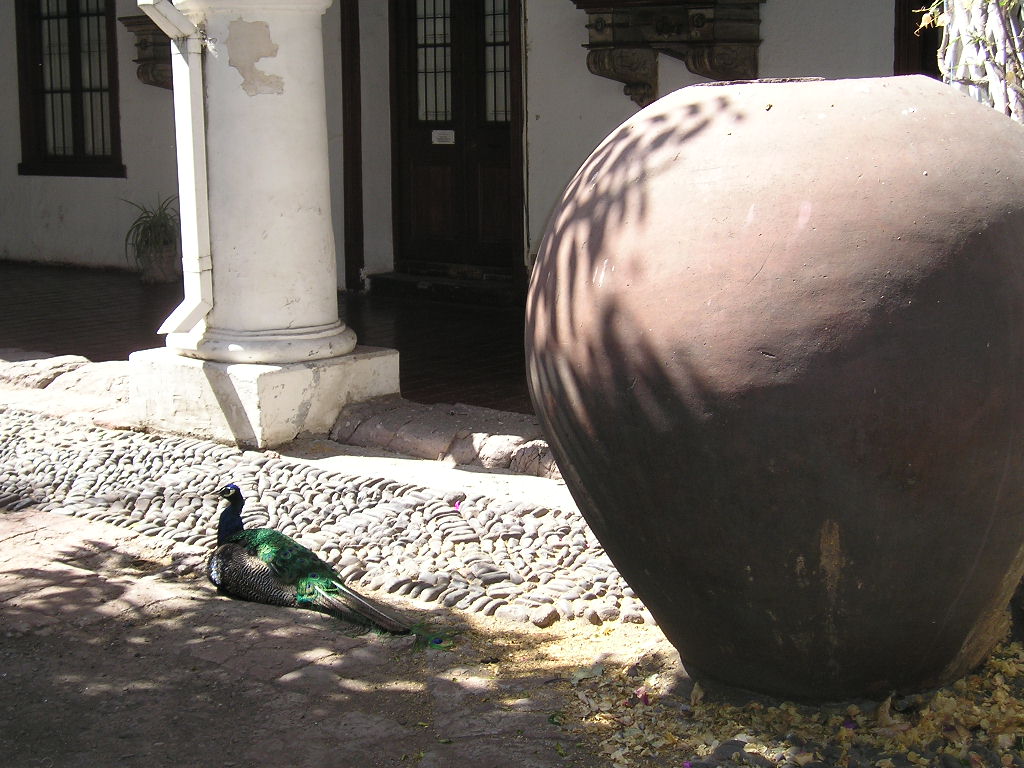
[[375, 68], [827, 38], [83, 220]]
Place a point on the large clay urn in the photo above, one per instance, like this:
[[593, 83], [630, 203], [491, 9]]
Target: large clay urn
[[775, 336]]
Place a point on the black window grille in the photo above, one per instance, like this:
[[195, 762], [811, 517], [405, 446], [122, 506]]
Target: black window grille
[[67, 55], [496, 61], [434, 60]]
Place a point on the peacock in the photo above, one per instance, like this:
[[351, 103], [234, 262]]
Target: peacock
[[266, 566]]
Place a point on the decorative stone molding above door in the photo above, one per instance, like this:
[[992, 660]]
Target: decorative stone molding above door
[[717, 40]]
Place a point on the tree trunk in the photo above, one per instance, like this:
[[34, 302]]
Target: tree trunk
[[981, 50]]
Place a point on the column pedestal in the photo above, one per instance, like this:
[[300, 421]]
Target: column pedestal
[[255, 406]]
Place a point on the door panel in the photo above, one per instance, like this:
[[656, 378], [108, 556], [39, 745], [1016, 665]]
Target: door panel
[[458, 180], [434, 217], [495, 219]]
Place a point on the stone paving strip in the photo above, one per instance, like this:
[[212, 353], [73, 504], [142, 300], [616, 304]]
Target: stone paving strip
[[463, 434], [493, 556]]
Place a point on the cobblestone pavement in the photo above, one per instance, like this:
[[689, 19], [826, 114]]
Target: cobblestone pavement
[[468, 550]]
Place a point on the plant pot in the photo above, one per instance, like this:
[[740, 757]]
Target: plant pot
[[775, 338], [161, 265]]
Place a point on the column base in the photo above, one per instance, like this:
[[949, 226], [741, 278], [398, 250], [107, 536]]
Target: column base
[[278, 347], [254, 406]]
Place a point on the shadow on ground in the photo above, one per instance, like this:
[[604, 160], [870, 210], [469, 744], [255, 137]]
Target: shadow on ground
[[116, 656]]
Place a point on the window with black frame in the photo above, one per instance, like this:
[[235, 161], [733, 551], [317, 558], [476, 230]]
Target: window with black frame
[[67, 77]]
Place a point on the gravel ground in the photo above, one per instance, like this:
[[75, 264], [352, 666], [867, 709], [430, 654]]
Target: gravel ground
[[469, 552], [644, 720]]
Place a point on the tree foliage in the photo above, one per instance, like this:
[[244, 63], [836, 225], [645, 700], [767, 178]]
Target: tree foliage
[[981, 49]]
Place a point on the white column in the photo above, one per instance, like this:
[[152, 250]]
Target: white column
[[257, 354], [272, 242]]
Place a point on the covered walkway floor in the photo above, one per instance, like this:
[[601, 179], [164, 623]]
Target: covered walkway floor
[[449, 352]]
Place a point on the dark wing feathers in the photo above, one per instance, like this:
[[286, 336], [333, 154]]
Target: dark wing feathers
[[236, 571]]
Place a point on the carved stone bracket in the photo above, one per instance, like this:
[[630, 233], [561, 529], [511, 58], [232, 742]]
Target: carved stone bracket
[[717, 39], [153, 51], [724, 61], [636, 67]]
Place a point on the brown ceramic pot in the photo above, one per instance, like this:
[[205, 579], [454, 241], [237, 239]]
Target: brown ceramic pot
[[775, 335]]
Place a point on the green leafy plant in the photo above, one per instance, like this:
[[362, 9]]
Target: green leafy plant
[[151, 242]]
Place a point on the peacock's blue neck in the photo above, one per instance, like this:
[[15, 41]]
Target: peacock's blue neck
[[230, 521]]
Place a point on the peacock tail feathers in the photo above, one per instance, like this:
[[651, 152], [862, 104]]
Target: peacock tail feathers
[[428, 637], [314, 586]]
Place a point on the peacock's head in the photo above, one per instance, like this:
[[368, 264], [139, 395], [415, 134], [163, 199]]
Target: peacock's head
[[229, 491], [230, 521]]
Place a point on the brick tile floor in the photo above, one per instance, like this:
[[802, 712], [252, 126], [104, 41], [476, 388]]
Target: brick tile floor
[[449, 352]]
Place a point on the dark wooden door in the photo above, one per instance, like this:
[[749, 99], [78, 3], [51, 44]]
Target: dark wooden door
[[456, 107]]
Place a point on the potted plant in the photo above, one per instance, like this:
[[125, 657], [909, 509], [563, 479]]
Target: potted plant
[[151, 242]]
